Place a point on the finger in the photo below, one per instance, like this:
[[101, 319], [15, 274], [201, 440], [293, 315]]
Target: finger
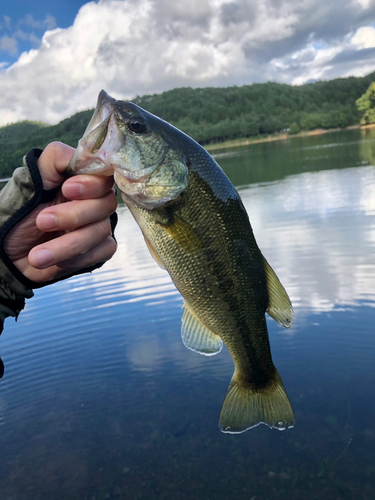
[[77, 213], [101, 253], [53, 162], [69, 245], [82, 187]]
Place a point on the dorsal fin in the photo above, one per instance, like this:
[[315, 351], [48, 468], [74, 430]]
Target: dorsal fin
[[279, 306], [197, 336]]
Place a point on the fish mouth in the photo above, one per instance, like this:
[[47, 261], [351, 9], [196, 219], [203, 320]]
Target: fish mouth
[[94, 150], [91, 155], [104, 109], [98, 149], [145, 168]]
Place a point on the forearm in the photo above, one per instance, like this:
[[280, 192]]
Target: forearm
[[18, 198]]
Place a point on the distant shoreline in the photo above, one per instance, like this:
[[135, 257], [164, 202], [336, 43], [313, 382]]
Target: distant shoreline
[[279, 137]]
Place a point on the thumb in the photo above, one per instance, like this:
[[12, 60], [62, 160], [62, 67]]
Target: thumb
[[53, 162]]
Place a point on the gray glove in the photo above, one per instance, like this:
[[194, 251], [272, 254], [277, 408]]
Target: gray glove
[[23, 193]]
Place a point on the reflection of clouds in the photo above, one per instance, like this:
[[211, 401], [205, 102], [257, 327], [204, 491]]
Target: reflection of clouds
[[368, 199], [150, 354], [317, 230]]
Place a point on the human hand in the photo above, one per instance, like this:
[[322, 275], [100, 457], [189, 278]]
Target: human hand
[[71, 232]]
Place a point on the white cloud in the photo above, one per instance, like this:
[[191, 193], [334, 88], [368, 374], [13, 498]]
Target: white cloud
[[365, 37], [365, 4], [8, 44], [145, 46]]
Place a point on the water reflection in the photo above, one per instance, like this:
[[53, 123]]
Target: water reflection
[[367, 146], [318, 231], [100, 398]]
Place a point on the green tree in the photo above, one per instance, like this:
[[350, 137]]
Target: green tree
[[366, 104], [294, 128]]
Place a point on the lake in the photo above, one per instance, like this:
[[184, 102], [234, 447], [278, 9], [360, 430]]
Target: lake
[[101, 400]]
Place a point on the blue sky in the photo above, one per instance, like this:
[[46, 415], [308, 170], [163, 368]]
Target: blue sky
[[30, 20], [56, 56]]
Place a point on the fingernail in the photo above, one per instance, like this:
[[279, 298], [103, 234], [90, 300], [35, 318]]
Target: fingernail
[[43, 258], [73, 190], [47, 222]]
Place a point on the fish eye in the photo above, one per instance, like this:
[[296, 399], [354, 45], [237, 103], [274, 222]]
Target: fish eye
[[137, 127]]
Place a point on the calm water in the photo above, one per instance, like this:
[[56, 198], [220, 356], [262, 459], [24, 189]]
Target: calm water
[[101, 400]]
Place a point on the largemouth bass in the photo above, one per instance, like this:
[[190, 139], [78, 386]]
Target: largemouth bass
[[196, 227]]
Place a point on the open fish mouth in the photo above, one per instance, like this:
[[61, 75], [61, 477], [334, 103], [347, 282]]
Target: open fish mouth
[[98, 151], [118, 141]]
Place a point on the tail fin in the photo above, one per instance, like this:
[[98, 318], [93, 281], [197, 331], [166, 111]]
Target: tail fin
[[245, 407]]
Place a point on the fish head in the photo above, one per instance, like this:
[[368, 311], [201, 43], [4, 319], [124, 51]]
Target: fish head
[[124, 140]]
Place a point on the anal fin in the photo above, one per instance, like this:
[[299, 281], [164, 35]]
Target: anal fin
[[196, 336]]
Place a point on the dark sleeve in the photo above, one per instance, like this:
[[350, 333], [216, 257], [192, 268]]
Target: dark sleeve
[[23, 193]]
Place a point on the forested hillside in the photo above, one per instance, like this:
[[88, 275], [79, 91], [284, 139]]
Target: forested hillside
[[16, 139], [212, 115], [218, 114]]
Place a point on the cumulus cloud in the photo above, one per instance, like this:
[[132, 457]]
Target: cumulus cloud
[[145, 46]]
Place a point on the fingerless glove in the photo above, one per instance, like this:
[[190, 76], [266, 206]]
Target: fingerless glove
[[23, 193]]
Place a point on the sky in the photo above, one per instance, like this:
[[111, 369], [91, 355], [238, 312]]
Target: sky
[[56, 55]]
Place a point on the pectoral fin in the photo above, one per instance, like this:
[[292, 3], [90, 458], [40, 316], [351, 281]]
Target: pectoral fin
[[154, 254], [279, 306], [182, 233], [198, 337]]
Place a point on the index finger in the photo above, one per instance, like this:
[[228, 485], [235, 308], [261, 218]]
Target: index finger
[[81, 187], [53, 162]]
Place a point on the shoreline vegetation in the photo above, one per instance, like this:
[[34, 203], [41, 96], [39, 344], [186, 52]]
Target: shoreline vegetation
[[279, 137], [222, 117]]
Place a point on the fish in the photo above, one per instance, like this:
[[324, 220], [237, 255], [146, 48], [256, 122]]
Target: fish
[[197, 229]]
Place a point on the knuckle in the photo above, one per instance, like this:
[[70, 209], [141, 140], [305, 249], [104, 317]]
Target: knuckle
[[111, 202], [113, 246], [101, 229], [108, 227], [53, 148], [110, 248], [76, 217]]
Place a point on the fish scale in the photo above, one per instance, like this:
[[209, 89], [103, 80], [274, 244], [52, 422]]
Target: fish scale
[[198, 230]]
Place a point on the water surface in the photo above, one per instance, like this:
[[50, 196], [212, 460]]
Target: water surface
[[101, 400]]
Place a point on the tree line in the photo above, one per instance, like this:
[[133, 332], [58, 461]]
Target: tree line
[[211, 115]]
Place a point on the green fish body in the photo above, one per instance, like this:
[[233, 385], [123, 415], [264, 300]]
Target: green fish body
[[196, 227]]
